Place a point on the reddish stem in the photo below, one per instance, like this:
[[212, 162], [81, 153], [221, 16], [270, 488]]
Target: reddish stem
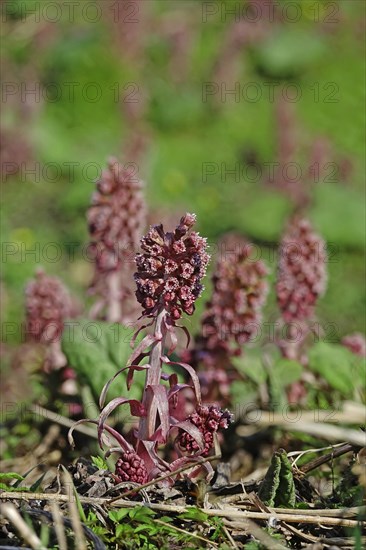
[[147, 425]]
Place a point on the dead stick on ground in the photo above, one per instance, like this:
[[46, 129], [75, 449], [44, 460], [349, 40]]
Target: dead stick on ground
[[346, 448], [62, 420], [59, 525], [327, 512], [229, 513], [252, 528], [12, 514]]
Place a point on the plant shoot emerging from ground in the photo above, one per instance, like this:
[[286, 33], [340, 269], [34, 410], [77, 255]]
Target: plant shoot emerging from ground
[[168, 278]]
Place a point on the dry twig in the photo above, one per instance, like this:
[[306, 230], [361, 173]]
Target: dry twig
[[12, 514]]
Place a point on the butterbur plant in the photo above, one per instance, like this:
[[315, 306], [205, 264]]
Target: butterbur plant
[[116, 221], [301, 280], [232, 316], [168, 279], [48, 304]]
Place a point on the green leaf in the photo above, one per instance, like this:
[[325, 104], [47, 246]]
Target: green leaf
[[287, 371], [242, 395], [250, 365], [96, 350], [11, 488], [339, 367], [166, 519], [286, 490], [271, 481], [283, 373], [119, 530], [194, 513], [99, 462], [289, 52], [278, 488], [141, 513], [9, 476], [117, 515], [33, 488], [345, 205]]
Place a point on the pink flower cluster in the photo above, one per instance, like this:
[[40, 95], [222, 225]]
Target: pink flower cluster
[[208, 419], [130, 467], [48, 304], [239, 292], [302, 274], [170, 270], [116, 216]]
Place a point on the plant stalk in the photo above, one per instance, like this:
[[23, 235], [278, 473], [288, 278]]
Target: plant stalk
[[147, 425], [114, 312]]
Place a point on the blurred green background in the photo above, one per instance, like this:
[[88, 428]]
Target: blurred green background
[[145, 81]]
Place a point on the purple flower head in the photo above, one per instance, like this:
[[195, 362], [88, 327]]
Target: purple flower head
[[170, 269], [48, 304], [131, 467], [302, 277], [116, 217], [208, 419], [233, 314]]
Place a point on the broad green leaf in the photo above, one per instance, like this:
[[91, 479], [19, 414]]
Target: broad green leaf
[[287, 371], [344, 205], [243, 394], [283, 373], [119, 530], [289, 52], [264, 218], [250, 364], [339, 367], [96, 350], [141, 513]]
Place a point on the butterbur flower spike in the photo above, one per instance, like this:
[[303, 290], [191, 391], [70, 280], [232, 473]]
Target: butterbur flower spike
[[233, 314], [208, 419], [302, 274], [116, 216], [301, 280], [170, 269], [130, 467], [231, 317], [48, 305], [168, 279], [116, 221]]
